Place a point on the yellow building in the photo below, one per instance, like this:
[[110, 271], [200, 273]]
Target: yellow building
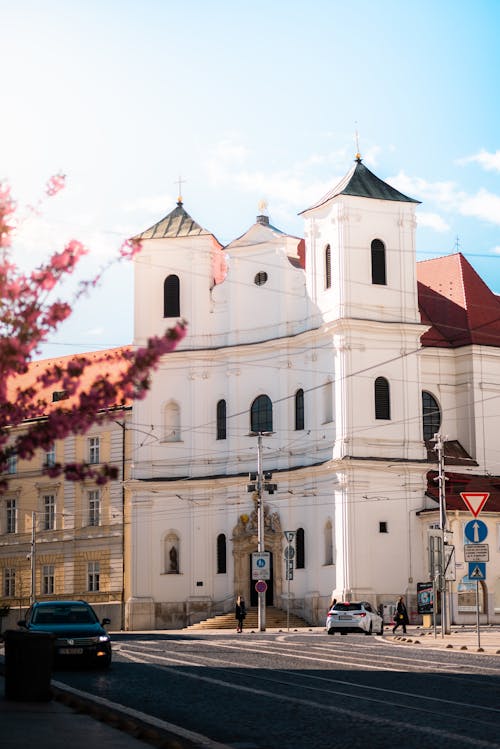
[[61, 539]]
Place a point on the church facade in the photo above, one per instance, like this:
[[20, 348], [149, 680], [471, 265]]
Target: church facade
[[347, 356]]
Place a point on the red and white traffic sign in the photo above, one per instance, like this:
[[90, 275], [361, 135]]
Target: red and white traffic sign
[[475, 501]]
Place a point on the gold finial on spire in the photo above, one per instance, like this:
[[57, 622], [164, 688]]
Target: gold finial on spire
[[179, 182], [356, 138], [262, 206]]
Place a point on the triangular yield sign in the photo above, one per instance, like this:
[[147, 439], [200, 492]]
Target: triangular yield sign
[[475, 501]]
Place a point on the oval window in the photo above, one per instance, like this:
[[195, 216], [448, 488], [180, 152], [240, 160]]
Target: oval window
[[260, 278]]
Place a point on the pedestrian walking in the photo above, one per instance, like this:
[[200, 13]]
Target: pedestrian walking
[[240, 612], [401, 615]]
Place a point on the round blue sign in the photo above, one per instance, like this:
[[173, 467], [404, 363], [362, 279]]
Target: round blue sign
[[261, 562], [476, 531]]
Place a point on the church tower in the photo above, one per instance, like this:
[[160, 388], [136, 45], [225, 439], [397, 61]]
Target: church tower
[[179, 264], [361, 278]]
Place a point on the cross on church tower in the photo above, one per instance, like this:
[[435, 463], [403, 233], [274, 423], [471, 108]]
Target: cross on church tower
[[179, 182]]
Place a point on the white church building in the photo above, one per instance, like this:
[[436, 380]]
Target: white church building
[[348, 356]]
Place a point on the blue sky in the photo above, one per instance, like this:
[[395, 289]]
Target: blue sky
[[247, 101]]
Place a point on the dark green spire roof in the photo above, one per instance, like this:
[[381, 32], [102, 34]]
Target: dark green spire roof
[[178, 223], [362, 183]]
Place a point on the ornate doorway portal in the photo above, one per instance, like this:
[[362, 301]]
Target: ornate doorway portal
[[244, 543]]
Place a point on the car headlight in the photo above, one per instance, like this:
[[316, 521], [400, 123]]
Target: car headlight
[[103, 638]]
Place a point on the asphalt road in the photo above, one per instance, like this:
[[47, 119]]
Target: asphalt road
[[304, 691]]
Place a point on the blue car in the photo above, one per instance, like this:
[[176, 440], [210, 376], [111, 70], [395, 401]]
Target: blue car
[[76, 628]]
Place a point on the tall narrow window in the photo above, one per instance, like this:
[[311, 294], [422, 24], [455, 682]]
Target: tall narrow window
[[171, 297], [9, 582], [431, 415], [300, 555], [299, 410], [48, 579], [328, 542], [12, 463], [11, 517], [93, 576], [94, 499], [49, 512], [221, 420], [382, 399], [94, 450], [328, 267], [172, 422], [261, 414], [221, 554], [378, 262], [50, 456]]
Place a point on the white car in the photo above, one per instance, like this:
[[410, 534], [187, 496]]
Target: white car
[[354, 617]]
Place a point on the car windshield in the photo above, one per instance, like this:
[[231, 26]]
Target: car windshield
[[63, 615]]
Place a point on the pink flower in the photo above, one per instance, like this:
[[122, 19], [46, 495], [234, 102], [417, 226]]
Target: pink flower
[[55, 184]]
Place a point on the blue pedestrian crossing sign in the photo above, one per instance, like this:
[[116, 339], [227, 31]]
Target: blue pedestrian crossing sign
[[477, 571], [475, 531]]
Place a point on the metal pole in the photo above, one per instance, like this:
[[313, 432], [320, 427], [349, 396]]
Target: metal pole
[[260, 532], [288, 591], [442, 525], [33, 558], [477, 614], [434, 606]]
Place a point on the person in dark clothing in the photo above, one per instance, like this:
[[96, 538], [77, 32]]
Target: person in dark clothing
[[240, 612], [401, 615]]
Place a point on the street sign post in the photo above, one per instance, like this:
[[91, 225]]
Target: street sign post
[[261, 565], [475, 501], [261, 586], [477, 553], [477, 571], [476, 531]]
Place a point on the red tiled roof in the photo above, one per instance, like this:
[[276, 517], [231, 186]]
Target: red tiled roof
[[458, 304], [459, 482], [101, 362]]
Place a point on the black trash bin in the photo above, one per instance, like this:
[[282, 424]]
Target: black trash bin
[[28, 665]]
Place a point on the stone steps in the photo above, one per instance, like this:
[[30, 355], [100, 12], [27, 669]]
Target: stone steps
[[275, 618]]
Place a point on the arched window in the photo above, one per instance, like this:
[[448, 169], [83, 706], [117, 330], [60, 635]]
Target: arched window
[[171, 553], [378, 262], [431, 414], [221, 554], [171, 297], [221, 420], [328, 542], [299, 410], [328, 267], [172, 422], [382, 399], [261, 414], [300, 549]]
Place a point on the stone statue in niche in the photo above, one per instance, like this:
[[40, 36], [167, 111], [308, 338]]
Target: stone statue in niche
[[173, 560]]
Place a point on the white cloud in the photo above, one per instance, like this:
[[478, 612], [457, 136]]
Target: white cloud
[[496, 250], [489, 161], [484, 205], [445, 194], [432, 221]]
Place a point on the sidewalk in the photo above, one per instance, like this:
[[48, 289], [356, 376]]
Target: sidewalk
[[460, 638]]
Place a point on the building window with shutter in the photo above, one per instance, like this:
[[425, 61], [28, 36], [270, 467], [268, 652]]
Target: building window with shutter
[[382, 399], [378, 262], [94, 500], [299, 410], [11, 516], [48, 579], [328, 267], [9, 582], [300, 555], [171, 297], [172, 422], [94, 449], [221, 420], [221, 554]]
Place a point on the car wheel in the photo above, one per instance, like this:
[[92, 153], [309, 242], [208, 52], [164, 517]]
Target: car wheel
[[343, 633], [331, 631], [369, 630]]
